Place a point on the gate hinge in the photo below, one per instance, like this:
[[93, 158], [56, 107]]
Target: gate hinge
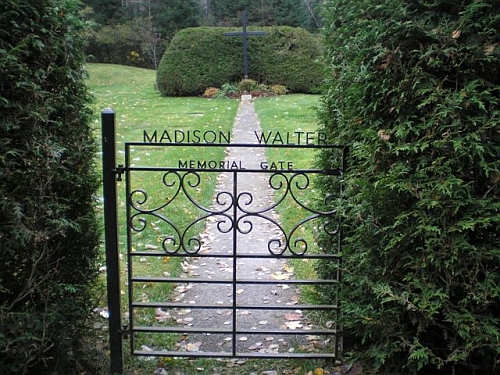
[[126, 331], [119, 171]]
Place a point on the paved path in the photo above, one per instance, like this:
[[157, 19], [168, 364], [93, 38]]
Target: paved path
[[256, 241]]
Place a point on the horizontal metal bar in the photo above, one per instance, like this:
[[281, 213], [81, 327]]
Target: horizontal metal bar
[[287, 355], [235, 145], [180, 329], [149, 279], [254, 332], [242, 256], [331, 172], [243, 33], [172, 305]]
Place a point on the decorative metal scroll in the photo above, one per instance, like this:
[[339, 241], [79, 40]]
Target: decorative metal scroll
[[182, 182]]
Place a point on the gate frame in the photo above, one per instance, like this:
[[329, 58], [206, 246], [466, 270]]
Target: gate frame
[[111, 240], [113, 173]]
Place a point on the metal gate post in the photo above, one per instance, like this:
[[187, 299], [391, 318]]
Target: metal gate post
[[111, 239]]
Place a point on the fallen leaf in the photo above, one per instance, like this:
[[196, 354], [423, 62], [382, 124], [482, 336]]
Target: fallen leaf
[[193, 347], [161, 315], [312, 338], [293, 325], [456, 34], [280, 276], [288, 268], [255, 347], [490, 48], [293, 316]]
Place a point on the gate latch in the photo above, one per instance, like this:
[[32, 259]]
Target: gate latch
[[119, 171]]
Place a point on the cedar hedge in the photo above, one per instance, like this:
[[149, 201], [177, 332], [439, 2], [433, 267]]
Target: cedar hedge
[[49, 235], [203, 57], [414, 90]]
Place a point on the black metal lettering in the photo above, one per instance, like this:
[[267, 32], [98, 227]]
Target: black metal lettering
[[179, 136], [149, 139], [299, 134], [196, 137], [278, 139], [212, 133], [262, 138], [226, 137], [321, 138], [166, 136]]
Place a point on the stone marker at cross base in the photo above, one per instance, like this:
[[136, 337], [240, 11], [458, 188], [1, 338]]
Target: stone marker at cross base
[[245, 34]]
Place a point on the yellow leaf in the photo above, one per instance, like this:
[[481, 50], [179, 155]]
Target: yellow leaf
[[490, 48], [318, 371], [288, 268], [280, 277]]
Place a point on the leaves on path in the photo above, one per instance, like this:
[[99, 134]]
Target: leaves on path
[[161, 315], [193, 347]]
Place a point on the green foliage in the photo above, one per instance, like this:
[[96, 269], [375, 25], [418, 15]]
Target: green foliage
[[279, 89], [48, 230], [414, 91], [145, 25], [168, 17], [247, 85], [203, 57], [228, 89], [132, 43], [295, 13], [137, 36]]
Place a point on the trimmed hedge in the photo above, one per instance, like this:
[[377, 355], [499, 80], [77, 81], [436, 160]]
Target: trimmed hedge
[[198, 58], [414, 90], [49, 234]]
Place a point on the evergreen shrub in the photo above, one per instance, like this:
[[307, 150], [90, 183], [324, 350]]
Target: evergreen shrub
[[247, 85], [49, 237], [203, 57], [414, 90]]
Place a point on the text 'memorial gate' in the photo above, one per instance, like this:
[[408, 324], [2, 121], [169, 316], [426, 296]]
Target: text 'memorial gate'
[[242, 230]]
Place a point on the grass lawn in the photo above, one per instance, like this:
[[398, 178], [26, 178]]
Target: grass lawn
[[295, 113], [131, 93]]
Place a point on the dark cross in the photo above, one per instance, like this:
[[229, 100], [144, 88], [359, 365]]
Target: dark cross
[[245, 34]]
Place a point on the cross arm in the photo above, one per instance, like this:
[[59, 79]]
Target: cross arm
[[239, 33]]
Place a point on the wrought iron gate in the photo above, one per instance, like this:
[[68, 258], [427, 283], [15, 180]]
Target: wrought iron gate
[[235, 228]]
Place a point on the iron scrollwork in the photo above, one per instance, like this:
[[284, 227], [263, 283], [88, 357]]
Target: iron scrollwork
[[178, 184], [231, 212], [286, 185]]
